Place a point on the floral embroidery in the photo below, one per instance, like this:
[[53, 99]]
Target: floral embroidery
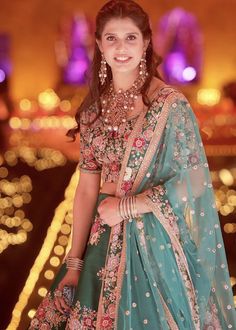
[[101, 273], [139, 142], [110, 278], [96, 231], [101, 150], [128, 173], [82, 318], [47, 315], [186, 149], [157, 196]]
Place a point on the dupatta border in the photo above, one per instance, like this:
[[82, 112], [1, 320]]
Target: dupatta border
[[163, 113], [176, 245], [162, 119]]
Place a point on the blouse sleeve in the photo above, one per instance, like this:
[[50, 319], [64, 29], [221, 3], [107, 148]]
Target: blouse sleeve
[[87, 160]]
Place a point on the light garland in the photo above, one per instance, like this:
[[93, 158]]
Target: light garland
[[14, 194], [41, 159], [44, 122], [49, 247]]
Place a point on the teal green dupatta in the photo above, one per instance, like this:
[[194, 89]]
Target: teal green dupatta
[[167, 269]]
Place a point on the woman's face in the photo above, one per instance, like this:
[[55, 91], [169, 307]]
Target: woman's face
[[122, 44]]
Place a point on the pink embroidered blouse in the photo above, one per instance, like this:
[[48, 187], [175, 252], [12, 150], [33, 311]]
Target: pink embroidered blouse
[[100, 150]]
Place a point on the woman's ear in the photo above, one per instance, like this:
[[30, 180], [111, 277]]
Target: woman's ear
[[99, 45]]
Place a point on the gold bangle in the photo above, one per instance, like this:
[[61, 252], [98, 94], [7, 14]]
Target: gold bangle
[[74, 263]]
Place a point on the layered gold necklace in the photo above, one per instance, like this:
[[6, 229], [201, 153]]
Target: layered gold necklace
[[116, 105]]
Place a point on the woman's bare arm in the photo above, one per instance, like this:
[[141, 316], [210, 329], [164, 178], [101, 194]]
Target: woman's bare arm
[[83, 209]]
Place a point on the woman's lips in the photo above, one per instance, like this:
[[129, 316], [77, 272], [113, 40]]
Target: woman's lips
[[122, 59]]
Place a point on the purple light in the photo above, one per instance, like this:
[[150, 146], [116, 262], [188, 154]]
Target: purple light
[[2, 76], [75, 71], [179, 42], [175, 62], [5, 62], [77, 40], [189, 73]]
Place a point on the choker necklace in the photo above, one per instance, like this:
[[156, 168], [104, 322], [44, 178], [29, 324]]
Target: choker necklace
[[116, 105]]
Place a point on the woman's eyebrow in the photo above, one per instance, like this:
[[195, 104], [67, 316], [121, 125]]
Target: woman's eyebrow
[[113, 33]]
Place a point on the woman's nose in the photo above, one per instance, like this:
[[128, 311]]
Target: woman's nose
[[120, 45]]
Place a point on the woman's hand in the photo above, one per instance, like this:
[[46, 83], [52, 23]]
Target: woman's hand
[[108, 210], [71, 279]]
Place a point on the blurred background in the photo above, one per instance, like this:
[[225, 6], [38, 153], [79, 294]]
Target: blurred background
[[45, 49]]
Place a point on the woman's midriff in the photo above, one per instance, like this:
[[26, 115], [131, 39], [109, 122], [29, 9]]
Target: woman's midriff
[[108, 188]]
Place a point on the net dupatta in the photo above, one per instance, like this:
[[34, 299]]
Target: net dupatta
[[177, 249], [179, 192]]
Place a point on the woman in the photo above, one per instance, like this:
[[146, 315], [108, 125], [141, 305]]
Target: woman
[[147, 251]]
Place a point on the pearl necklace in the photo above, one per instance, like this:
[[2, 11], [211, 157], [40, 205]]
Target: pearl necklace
[[116, 105]]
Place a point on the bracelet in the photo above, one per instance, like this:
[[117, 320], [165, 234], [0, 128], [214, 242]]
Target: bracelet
[[74, 263], [128, 208]]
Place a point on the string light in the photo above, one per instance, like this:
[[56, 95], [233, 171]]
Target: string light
[[13, 195], [49, 247], [44, 122], [41, 159]]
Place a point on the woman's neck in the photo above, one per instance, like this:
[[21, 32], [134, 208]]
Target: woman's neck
[[123, 80]]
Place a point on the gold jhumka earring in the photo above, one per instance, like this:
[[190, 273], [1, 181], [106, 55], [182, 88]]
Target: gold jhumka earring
[[143, 66], [103, 70]]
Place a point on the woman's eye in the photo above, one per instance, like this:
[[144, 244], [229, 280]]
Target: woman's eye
[[110, 38], [131, 37]]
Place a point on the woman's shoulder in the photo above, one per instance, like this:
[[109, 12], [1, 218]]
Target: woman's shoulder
[[165, 93], [162, 90], [171, 98]]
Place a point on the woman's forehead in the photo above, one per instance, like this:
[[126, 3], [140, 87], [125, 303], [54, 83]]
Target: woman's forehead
[[120, 26]]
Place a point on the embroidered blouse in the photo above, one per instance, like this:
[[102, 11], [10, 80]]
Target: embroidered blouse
[[102, 151]]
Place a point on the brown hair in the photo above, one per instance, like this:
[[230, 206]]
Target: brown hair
[[117, 9]]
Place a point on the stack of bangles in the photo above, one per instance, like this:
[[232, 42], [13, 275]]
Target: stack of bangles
[[127, 208], [74, 263]]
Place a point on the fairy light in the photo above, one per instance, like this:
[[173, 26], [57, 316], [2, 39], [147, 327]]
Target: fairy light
[[42, 292], [31, 314], [48, 99], [232, 281], [208, 97], [226, 177], [13, 196], [25, 105], [15, 122], [49, 274], [3, 172], [63, 240], [45, 122], [59, 250], [230, 228], [55, 261], [65, 106], [41, 159]]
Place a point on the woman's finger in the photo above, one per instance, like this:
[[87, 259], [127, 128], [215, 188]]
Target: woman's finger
[[59, 301], [58, 305], [64, 306]]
